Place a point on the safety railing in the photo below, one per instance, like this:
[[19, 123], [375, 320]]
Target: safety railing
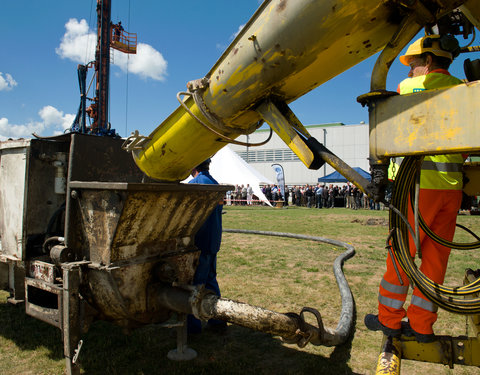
[[122, 40]]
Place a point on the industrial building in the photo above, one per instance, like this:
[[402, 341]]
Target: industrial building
[[349, 142]]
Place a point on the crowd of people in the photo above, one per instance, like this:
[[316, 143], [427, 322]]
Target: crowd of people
[[310, 196]]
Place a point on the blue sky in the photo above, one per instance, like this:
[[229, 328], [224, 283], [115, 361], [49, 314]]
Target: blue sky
[[44, 41]]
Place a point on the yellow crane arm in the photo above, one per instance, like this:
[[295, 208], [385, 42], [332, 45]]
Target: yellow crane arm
[[285, 50]]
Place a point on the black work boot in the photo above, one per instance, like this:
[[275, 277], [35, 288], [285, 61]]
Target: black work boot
[[373, 324], [408, 331]]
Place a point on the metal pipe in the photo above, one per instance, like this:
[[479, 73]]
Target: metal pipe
[[249, 316], [292, 327], [406, 31], [389, 358], [339, 165]]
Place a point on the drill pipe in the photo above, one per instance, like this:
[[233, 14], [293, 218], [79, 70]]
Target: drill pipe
[[206, 305]]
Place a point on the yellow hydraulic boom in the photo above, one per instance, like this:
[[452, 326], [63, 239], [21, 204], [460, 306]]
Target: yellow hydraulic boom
[[285, 50]]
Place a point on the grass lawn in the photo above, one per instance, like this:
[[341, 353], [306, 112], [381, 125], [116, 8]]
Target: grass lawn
[[280, 274]]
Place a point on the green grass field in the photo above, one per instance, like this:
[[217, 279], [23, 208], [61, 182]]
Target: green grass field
[[280, 274]]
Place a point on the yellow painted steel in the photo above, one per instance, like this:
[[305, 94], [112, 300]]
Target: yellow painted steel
[[447, 350], [286, 49], [431, 122], [167, 156], [388, 364], [286, 132], [389, 359]]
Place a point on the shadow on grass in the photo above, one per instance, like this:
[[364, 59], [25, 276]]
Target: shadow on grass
[[29, 333], [108, 350], [239, 351]]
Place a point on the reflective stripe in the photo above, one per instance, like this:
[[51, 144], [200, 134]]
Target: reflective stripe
[[424, 304], [442, 172], [397, 289], [430, 165], [390, 302]]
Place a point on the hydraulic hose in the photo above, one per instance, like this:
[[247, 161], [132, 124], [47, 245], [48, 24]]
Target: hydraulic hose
[[345, 323], [448, 298]]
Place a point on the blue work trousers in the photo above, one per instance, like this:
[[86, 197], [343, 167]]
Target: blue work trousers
[[206, 272]]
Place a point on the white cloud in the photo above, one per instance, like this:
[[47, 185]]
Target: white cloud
[[147, 62], [78, 44], [7, 82], [8, 130], [52, 117], [53, 122], [234, 35]]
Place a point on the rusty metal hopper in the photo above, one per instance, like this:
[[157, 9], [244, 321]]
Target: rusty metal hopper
[[133, 235]]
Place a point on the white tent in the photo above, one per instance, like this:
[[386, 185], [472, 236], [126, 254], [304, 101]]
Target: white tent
[[229, 168]]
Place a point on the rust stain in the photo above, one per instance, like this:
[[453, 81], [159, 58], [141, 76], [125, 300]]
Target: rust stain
[[417, 120], [281, 7]]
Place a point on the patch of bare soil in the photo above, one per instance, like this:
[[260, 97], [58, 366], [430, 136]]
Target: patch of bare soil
[[372, 221]]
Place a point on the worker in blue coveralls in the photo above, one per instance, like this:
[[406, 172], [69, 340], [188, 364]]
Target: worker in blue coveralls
[[207, 239]]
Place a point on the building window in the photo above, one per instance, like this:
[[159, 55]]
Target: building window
[[262, 156]]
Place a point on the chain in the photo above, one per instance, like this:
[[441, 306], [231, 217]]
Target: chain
[[394, 168]]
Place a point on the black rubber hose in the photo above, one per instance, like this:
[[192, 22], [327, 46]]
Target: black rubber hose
[[345, 323], [450, 299]]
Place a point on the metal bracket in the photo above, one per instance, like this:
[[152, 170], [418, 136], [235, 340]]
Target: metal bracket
[[135, 142], [77, 352]]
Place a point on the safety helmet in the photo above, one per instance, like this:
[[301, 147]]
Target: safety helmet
[[428, 43]]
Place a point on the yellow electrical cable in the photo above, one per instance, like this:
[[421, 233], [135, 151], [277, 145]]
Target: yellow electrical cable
[[448, 298]]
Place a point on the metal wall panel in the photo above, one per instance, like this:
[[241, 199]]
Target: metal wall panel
[[12, 198]]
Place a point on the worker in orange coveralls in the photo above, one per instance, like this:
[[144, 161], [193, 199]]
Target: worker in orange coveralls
[[440, 197]]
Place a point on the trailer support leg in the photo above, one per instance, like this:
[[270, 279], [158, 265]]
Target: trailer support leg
[[71, 318], [183, 352]]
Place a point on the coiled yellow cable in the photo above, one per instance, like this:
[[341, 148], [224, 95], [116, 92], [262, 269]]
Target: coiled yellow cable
[[448, 298]]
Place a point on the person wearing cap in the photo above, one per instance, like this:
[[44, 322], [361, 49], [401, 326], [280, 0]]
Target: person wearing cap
[[439, 201], [208, 240]]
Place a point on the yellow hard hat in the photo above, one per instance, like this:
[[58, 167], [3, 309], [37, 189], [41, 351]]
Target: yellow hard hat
[[428, 43]]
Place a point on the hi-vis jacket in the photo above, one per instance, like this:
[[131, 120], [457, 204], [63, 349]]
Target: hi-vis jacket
[[441, 172]]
